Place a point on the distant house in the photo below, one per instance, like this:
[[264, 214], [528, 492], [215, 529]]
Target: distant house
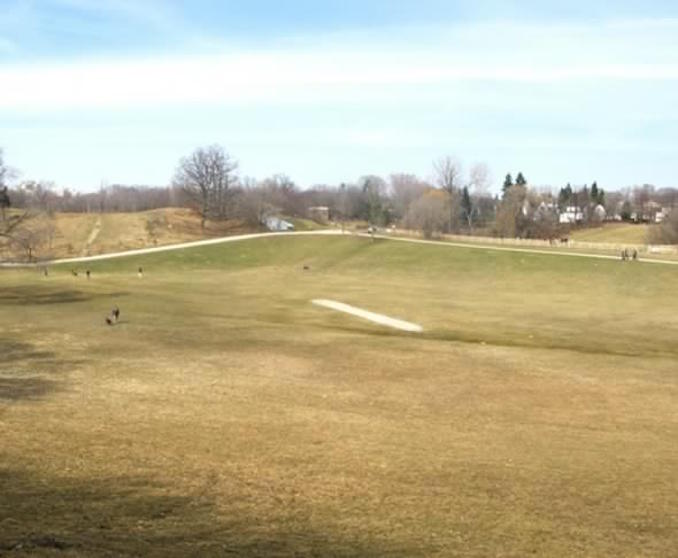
[[571, 216], [543, 212], [599, 213], [319, 213], [650, 211], [277, 224], [661, 215]]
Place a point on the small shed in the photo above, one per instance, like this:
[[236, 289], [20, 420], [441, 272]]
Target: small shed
[[319, 213], [277, 224]]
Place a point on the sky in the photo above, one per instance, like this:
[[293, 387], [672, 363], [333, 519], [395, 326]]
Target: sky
[[117, 91]]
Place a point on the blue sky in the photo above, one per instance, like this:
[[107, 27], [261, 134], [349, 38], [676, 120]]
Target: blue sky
[[119, 90]]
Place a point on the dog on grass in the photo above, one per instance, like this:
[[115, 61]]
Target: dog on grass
[[114, 316]]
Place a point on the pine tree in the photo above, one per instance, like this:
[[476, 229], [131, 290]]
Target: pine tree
[[520, 180], [467, 206], [565, 197], [508, 182]]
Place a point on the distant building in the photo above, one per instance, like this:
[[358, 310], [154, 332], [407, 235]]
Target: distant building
[[661, 215], [319, 213], [545, 211], [599, 213], [650, 212], [571, 216], [277, 224]]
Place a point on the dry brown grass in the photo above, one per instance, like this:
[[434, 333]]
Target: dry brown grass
[[226, 415], [84, 234]]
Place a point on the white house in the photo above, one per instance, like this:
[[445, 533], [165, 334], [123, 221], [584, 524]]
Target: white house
[[571, 215], [544, 211], [277, 224], [661, 215], [599, 213]]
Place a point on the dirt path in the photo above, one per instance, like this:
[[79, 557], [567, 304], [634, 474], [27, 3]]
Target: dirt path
[[171, 247], [331, 232], [519, 250], [92, 237]]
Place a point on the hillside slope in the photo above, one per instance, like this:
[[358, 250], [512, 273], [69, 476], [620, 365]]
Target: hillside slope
[[84, 234]]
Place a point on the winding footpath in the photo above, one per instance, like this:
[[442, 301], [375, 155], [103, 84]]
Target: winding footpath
[[330, 232], [494, 248]]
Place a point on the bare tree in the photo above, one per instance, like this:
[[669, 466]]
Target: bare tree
[[428, 213], [34, 238], [479, 179], [39, 196], [254, 203], [282, 193], [12, 223], [511, 217], [667, 197], [448, 174], [5, 202], [208, 179], [405, 189]]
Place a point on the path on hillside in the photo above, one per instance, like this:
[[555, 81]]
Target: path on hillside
[[519, 250], [331, 232], [171, 247], [92, 236]]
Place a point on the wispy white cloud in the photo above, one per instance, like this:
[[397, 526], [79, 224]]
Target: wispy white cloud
[[363, 67], [278, 78], [514, 94], [415, 65]]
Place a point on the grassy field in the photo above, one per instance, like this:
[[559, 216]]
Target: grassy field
[[614, 233], [226, 415]]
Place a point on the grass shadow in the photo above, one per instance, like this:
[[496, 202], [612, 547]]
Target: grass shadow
[[22, 295], [23, 369], [15, 351], [126, 516], [33, 388]]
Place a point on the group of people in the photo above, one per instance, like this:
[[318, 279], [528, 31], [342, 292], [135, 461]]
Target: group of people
[[626, 255]]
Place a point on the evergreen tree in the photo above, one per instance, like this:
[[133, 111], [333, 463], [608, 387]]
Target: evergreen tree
[[4, 198], [594, 192], [520, 180], [565, 196], [508, 182], [467, 206], [597, 194]]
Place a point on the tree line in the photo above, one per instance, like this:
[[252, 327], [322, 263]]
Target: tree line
[[452, 201]]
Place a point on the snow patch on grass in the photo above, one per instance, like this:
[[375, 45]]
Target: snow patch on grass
[[367, 315]]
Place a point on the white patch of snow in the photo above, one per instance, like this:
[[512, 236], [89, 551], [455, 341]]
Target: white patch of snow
[[367, 315]]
